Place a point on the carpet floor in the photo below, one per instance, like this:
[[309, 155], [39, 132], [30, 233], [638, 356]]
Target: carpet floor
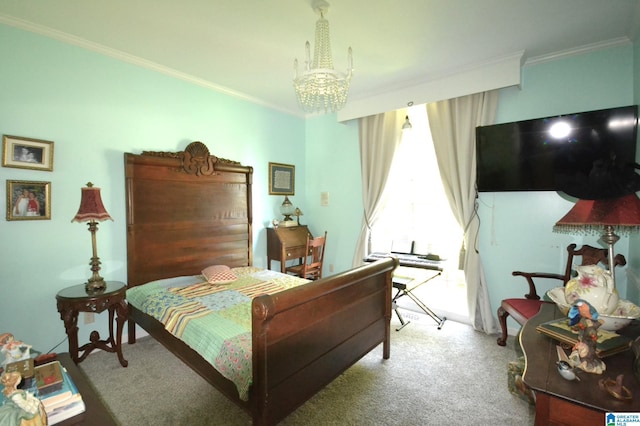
[[450, 376]]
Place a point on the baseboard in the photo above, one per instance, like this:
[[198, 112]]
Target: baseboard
[[140, 332]]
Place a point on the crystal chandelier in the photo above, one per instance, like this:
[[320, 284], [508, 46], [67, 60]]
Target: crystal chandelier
[[319, 87]]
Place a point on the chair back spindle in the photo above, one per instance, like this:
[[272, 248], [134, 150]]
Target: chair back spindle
[[311, 265]]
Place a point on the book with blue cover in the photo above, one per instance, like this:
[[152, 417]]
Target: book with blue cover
[[49, 379], [68, 394], [64, 402], [65, 412]]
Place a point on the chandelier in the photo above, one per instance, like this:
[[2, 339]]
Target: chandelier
[[319, 87]]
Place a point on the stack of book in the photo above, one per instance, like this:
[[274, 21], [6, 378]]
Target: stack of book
[[608, 342], [58, 393]]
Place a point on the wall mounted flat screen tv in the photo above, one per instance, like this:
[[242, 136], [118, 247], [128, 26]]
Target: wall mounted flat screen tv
[[546, 153]]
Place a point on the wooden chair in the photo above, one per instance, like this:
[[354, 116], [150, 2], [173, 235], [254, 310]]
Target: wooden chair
[[521, 309], [311, 265]]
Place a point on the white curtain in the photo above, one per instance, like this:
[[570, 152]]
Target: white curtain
[[453, 124], [379, 138]]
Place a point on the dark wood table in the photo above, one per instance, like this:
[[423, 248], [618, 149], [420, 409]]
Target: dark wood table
[[96, 414], [75, 299], [563, 402]]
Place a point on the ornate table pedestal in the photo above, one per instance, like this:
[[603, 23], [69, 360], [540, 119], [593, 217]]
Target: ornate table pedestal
[[73, 300]]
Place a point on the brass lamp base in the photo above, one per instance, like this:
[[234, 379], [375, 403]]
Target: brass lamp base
[[95, 286], [96, 283]]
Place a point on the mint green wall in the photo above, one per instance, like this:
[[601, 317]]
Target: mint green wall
[[95, 108], [633, 259], [333, 166], [516, 228]]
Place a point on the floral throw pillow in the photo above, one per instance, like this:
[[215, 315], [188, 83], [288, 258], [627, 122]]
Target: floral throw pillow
[[219, 274]]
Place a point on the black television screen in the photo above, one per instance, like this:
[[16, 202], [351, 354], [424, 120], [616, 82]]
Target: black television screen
[[547, 154]]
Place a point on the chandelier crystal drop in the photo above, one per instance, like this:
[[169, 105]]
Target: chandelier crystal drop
[[319, 88]]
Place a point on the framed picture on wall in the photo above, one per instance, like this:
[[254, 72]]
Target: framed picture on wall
[[25, 153], [28, 200], [282, 179]]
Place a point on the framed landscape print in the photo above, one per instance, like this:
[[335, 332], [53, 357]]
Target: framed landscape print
[[28, 200], [282, 179], [25, 153]]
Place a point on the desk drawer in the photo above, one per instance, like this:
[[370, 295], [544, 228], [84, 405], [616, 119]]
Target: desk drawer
[[294, 252]]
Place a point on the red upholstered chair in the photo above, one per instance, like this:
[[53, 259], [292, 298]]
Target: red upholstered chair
[[521, 309]]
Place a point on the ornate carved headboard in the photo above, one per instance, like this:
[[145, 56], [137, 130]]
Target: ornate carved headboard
[[185, 211]]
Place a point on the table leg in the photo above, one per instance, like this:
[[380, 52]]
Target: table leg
[[110, 344], [70, 319], [111, 316], [122, 310]]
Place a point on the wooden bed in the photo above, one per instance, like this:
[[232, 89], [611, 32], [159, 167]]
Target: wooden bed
[[189, 210]]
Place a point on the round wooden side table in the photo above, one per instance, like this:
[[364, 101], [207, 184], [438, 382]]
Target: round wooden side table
[[75, 299]]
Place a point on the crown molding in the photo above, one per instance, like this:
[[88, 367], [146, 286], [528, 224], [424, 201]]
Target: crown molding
[[134, 60], [489, 75], [581, 50]]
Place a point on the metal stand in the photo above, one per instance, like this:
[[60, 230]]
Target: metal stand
[[401, 286]]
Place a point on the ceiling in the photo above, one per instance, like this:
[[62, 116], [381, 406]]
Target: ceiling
[[247, 47]]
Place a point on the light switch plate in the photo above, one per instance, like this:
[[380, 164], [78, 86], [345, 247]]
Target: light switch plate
[[324, 198]]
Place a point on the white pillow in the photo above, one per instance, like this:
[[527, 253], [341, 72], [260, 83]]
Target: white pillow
[[219, 274]]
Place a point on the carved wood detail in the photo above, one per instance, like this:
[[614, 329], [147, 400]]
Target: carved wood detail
[[195, 159]]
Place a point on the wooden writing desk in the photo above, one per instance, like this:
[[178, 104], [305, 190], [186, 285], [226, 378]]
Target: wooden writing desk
[[563, 402], [286, 243]]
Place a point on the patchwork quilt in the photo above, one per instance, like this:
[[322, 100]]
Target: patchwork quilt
[[213, 319]]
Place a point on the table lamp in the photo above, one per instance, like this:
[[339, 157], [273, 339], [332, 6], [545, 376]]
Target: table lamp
[[606, 216], [298, 213], [92, 211], [287, 209]]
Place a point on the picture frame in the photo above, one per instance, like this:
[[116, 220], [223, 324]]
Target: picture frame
[[26, 153], [28, 200], [282, 179]]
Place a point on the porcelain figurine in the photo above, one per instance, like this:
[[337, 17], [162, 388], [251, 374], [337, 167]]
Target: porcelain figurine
[[21, 408], [596, 286], [567, 371], [583, 318], [13, 350]]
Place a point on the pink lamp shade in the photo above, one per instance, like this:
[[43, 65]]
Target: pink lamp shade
[[91, 207]]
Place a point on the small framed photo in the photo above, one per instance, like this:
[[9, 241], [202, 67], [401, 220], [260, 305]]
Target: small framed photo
[[24, 153], [282, 179], [28, 200]]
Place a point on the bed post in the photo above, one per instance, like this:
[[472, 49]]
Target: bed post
[[386, 345]]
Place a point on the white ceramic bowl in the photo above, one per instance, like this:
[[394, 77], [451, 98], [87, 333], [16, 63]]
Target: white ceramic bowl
[[621, 316]]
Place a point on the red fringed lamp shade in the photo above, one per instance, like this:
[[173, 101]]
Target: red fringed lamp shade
[[622, 214], [609, 215], [91, 207]]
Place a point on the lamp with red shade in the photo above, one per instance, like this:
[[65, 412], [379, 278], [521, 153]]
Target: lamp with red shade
[[607, 216], [92, 211]]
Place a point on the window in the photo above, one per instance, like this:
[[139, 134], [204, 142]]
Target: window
[[416, 208]]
